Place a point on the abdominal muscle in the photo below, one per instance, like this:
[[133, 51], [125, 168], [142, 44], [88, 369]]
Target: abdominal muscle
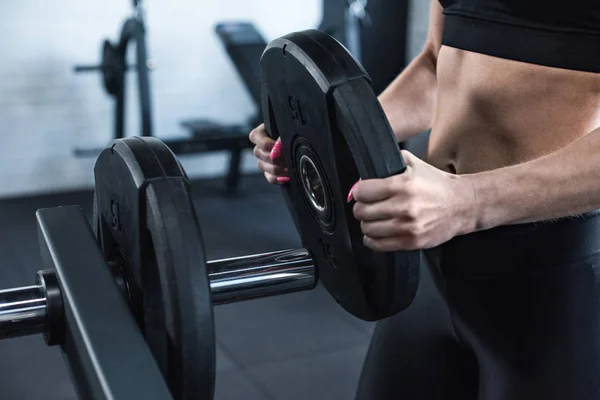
[[492, 112]]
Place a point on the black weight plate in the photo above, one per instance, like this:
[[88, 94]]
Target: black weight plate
[[112, 66], [145, 223], [319, 100]]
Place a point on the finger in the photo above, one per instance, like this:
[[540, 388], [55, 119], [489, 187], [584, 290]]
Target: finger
[[266, 156], [372, 190], [351, 192], [262, 154], [260, 138], [390, 244], [255, 134], [272, 169], [382, 229], [274, 179], [276, 150], [271, 178], [409, 158], [379, 211]]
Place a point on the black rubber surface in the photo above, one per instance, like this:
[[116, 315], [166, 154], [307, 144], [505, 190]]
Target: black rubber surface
[[146, 224], [318, 99]]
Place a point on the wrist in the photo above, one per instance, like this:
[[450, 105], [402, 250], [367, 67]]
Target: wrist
[[489, 205], [468, 207]]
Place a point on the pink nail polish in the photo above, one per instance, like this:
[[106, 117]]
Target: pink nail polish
[[276, 151], [283, 179], [350, 194]]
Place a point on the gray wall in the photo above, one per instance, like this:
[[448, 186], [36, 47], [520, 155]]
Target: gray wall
[[46, 110]]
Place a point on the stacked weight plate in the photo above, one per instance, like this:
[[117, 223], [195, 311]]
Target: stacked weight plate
[[147, 228]]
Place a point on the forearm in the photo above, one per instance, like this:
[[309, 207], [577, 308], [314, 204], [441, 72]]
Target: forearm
[[563, 183], [409, 101]]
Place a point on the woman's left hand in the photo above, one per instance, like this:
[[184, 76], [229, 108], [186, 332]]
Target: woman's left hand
[[419, 209]]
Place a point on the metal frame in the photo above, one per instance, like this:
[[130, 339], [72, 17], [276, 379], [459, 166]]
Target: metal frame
[[133, 30], [107, 355]]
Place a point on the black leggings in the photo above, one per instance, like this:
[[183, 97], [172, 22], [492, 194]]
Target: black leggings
[[512, 313]]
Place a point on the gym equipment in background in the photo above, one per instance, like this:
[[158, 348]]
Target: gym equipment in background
[[367, 29], [244, 45], [130, 301], [375, 32], [206, 136]]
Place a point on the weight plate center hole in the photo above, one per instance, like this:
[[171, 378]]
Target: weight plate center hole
[[312, 183]]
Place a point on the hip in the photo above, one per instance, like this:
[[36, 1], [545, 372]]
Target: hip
[[517, 250]]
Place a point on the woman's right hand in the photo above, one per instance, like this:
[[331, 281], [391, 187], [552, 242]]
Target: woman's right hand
[[268, 152]]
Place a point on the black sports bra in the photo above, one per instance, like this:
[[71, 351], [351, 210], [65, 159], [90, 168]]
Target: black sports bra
[[555, 33]]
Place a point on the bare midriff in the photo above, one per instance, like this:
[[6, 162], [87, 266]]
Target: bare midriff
[[493, 112]]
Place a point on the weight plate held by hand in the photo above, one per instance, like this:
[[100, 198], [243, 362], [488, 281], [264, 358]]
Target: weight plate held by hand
[[319, 100], [146, 225]]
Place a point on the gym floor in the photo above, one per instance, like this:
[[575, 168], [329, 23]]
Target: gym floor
[[296, 346]]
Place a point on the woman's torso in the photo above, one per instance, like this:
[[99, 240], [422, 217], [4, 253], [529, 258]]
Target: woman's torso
[[493, 112]]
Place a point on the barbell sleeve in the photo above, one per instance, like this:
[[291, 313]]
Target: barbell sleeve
[[23, 310], [261, 275]]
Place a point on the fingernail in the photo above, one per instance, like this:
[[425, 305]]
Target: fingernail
[[276, 151], [283, 179], [350, 194]]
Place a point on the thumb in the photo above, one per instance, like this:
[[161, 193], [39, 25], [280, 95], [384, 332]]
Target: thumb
[[409, 158]]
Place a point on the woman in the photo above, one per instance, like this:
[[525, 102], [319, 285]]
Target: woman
[[504, 206]]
